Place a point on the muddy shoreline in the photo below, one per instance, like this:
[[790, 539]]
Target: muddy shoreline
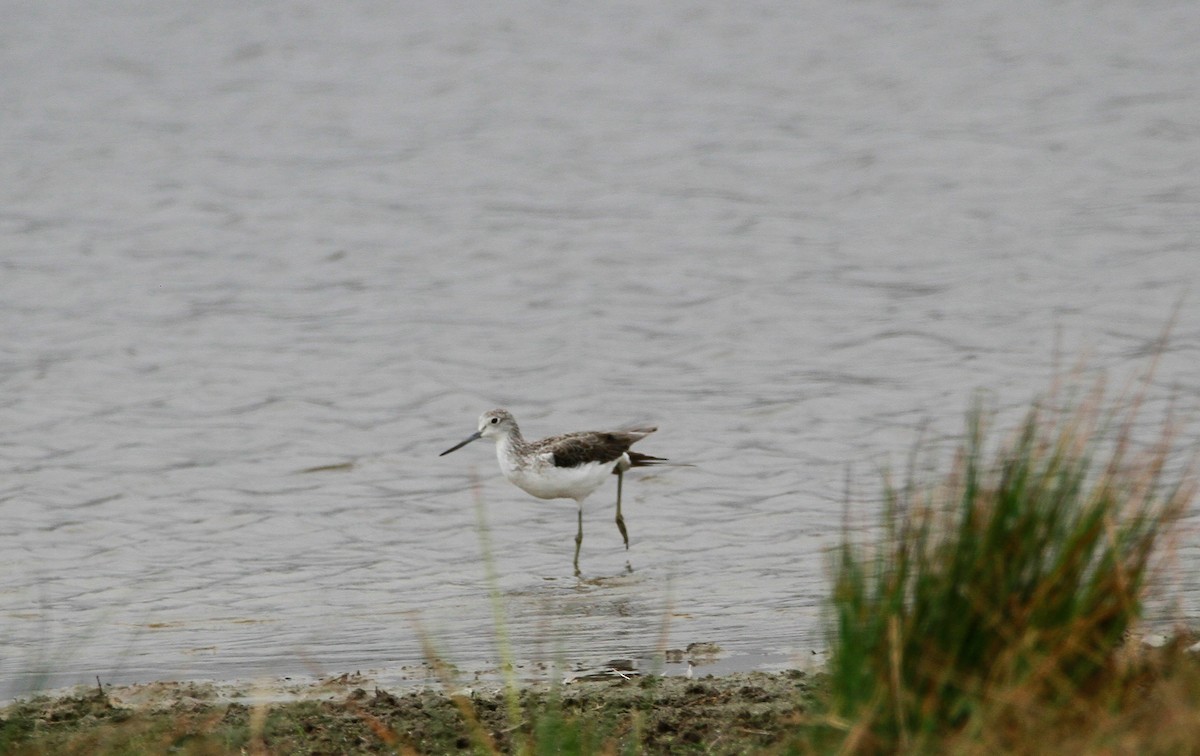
[[348, 714]]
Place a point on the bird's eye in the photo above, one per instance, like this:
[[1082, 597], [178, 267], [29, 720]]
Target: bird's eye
[[495, 420]]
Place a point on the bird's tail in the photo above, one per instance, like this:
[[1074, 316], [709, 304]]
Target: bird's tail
[[637, 459]]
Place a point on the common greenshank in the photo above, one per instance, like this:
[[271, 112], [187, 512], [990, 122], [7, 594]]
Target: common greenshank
[[570, 466]]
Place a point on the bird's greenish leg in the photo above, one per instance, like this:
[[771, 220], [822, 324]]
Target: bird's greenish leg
[[620, 519], [578, 539]]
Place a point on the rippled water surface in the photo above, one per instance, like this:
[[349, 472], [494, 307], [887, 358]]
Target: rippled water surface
[[245, 240]]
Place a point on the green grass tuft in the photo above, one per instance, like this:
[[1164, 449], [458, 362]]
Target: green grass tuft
[[1008, 585]]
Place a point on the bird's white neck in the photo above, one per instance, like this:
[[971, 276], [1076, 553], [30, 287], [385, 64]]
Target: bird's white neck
[[508, 452]]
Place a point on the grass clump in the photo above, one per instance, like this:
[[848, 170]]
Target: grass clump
[[1004, 590]]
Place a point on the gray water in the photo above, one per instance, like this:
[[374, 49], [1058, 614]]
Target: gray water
[[244, 240]]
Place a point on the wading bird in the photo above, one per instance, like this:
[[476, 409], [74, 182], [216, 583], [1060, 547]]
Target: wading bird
[[570, 466]]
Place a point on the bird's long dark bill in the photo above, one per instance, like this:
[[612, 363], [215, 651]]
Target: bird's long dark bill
[[460, 445]]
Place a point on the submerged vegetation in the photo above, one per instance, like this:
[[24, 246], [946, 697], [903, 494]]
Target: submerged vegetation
[[994, 613]]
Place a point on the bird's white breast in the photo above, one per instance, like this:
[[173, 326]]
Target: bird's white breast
[[552, 482], [541, 478]]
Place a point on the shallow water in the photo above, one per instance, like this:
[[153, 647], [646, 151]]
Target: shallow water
[[245, 241]]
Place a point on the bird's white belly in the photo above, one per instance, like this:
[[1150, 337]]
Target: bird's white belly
[[550, 482]]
